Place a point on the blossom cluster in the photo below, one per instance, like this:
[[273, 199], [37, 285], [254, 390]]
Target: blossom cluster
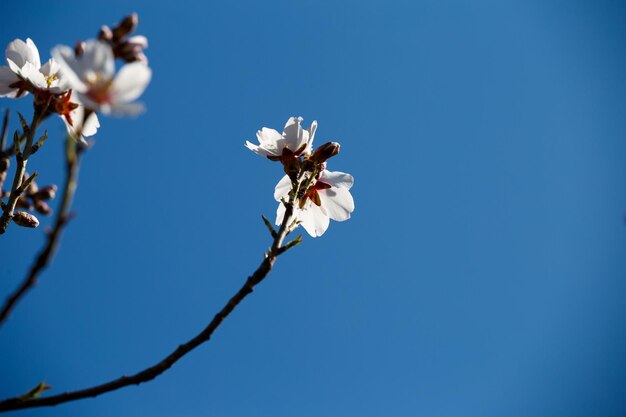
[[316, 193], [77, 83]]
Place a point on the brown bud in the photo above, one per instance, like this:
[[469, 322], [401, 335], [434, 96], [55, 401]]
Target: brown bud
[[79, 48], [46, 193], [126, 26], [42, 207], [105, 34], [325, 152], [21, 218]]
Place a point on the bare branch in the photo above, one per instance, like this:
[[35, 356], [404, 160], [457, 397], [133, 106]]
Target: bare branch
[[42, 260], [153, 371]]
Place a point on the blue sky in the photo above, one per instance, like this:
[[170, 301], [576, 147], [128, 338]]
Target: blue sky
[[482, 273]]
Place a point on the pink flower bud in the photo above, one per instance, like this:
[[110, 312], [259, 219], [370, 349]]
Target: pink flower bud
[[21, 218], [42, 207], [46, 193], [325, 152]]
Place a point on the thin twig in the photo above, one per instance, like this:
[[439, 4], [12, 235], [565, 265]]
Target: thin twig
[[42, 260], [153, 371]]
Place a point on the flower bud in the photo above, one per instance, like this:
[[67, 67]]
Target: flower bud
[[325, 152], [105, 34], [126, 26], [42, 207], [21, 218], [46, 193], [79, 48]]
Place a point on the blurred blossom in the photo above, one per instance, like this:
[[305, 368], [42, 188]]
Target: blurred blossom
[[92, 76]]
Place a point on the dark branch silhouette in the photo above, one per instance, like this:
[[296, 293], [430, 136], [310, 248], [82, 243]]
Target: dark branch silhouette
[[44, 257], [152, 372]]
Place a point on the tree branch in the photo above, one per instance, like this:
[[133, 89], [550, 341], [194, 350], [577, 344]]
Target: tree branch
[[22, 160], [152, 372], [73, 152]]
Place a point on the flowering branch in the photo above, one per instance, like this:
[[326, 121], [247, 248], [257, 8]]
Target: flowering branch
[[152, 372], [73, 152], [22, 159]]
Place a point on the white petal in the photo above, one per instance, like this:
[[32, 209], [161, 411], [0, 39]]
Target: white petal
[[91, 125], [14, 67], [280, 214], [293, 133], [282, 188], [98, 57], [32, 74], [337, 202], [21, 52], [312, 129], [257, 149], [130, 82], [337, 179], [7, 77], [314, 219], [50, 68], [267, 136], [69, 68]]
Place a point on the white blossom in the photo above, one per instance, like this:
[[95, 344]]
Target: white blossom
[[296, 140], [327, 198], [25, 71], [92, 76]]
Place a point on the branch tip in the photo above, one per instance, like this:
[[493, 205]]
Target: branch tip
[[269, 226]]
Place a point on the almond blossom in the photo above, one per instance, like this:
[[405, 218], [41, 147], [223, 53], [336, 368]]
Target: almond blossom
[[25, 72], [328, 197], [91, 74], [294, 141]]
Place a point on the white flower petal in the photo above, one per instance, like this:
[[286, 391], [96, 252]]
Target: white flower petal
[[280, 214], [91, 125], [14, 67], [21, 52], [293, 133], [130, 82], [312, 129], [97, 57], [50, 68], [337, 202], [7, 77], [282, 188], [267, 136], [257, 149], [314, 219], [69, 68], [337, 179], [32, 74]]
